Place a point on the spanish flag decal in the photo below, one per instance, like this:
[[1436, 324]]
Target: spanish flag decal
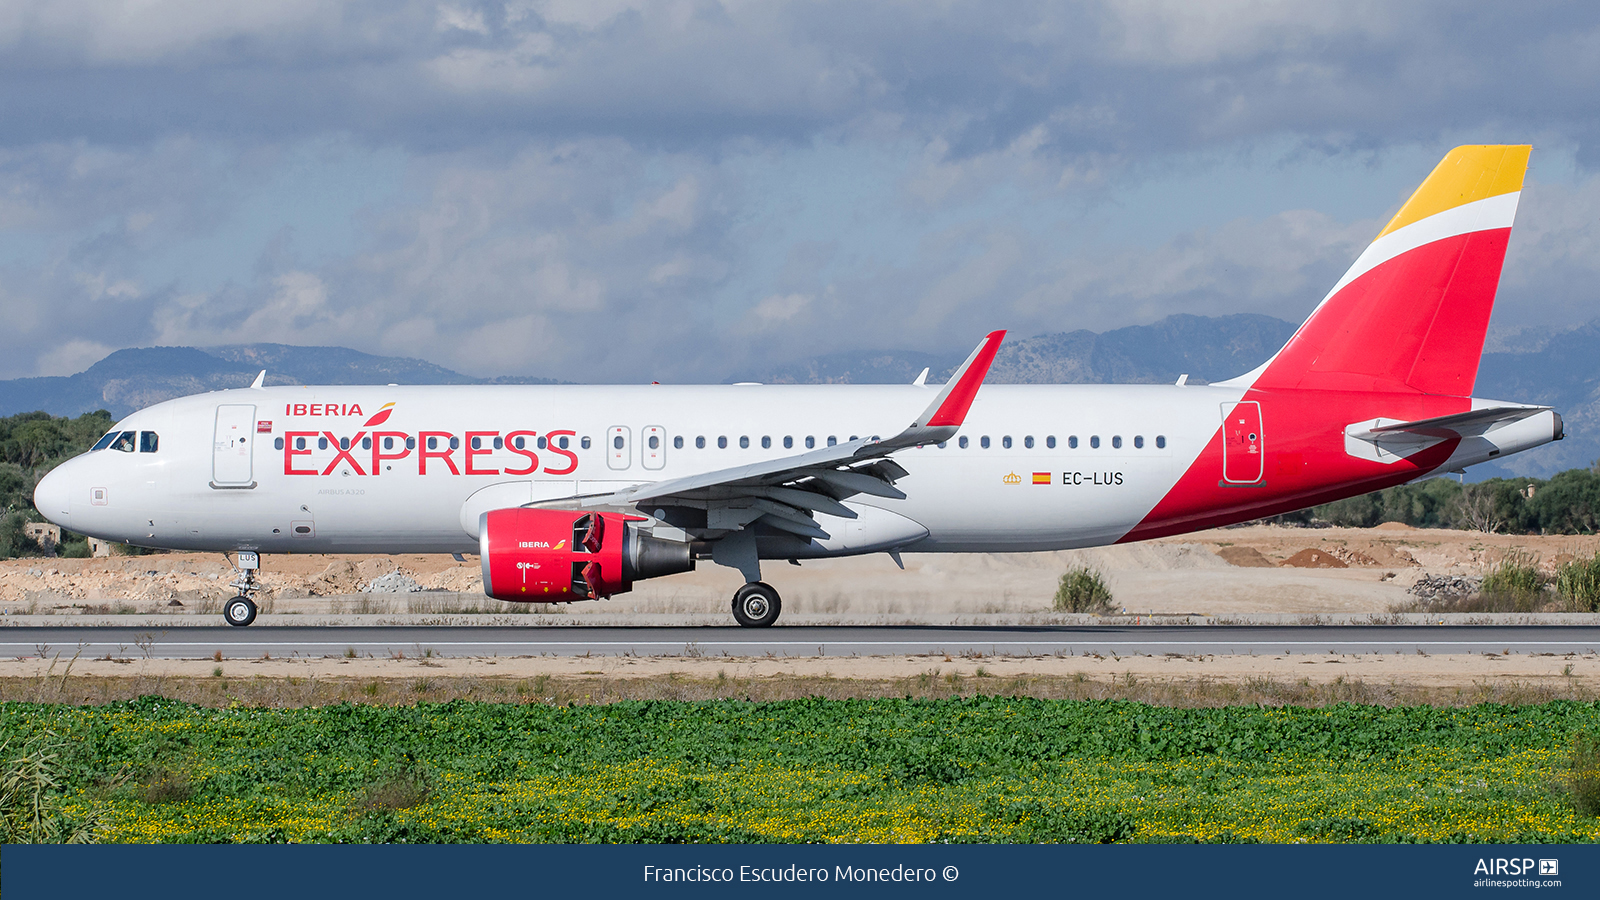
[[1041, 478]]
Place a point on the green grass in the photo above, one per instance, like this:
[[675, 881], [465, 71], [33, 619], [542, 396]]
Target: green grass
[[977, 769]]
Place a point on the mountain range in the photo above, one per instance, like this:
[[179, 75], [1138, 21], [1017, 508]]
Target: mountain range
[[133, 379], [1560, 368]]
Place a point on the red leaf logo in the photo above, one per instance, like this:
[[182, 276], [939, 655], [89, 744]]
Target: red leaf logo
[[379, 417]]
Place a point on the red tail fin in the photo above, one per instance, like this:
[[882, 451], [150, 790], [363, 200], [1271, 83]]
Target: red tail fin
[[1411, 314]]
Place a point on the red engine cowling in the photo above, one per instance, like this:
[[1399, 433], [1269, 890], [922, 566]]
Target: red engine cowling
[[558, 555]]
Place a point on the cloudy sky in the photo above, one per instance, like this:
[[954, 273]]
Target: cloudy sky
[[605, 190]]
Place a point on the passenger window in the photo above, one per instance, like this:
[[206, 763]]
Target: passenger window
[[832, 440], [1138, 442], [1028, 442], [1006, 442], [744, 442], [1072, 442], [455, 443], [943, 444], [585, 443], [563, 442], [433, 443], [542, 442], [344, 443], [299, 443], [477, 443], [105, 441], [677, 442], [616, 442], [1050, 442], [810, 442], [984, 442], [388, 443], [766, 442], [1094, 441], [1161, 442], [148, 441], [366, 443], [722, 442], [520, 442], [852, 437], [499, 443], [700, 442], [1116, 441], [962, 443], [655, 442], [411, 443], [788, 442], [277, 443]]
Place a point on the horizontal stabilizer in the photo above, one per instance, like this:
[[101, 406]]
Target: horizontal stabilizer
[[1459, 425]]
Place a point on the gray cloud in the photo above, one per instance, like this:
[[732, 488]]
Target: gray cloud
[[622, 191]]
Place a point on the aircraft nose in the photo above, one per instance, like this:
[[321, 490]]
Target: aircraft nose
[[52, 497]]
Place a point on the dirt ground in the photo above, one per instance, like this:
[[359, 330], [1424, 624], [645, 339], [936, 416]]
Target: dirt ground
[[1174, 680], [1232, 571]]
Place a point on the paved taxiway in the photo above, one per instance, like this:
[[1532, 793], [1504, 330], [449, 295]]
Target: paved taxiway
[[194, 642]]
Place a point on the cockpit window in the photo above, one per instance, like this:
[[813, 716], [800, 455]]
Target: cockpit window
[[125, 441], [148, 441], [105, 441]]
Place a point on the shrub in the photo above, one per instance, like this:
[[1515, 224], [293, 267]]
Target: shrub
[[1583, 775], [401, 792], [1036, 822], [1578, 583], [166, 786], [13, 542], [1083, 590], [1516, 585], [31, 794]]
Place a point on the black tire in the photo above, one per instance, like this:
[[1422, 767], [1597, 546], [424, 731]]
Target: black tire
[[239, 611], [756, 605]]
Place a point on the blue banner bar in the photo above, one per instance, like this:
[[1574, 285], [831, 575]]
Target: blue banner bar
[[1301, 871]]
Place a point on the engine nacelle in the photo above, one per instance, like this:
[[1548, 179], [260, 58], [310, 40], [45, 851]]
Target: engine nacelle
[[558, 555]]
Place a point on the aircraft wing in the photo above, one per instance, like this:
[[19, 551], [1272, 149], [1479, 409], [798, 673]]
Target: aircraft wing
[[1459, 425], [784, 492]]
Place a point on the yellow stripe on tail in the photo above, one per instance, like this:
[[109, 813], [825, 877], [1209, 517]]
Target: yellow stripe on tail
[[1469, 173]]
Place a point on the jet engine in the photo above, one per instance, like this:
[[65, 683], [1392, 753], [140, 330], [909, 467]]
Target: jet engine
[[558, 555]]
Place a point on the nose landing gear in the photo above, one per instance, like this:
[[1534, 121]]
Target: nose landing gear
[[241, 610], [756, 605]]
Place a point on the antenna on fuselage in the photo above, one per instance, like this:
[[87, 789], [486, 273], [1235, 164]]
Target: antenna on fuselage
[[260, 380]]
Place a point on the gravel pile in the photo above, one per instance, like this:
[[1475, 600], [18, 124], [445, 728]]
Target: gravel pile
[[393, 583], [1445, 587]]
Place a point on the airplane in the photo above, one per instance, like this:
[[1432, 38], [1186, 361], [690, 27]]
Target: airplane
[[570, 493]]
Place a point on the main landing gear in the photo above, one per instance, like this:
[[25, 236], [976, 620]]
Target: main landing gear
[[756, 605], [241, 610]]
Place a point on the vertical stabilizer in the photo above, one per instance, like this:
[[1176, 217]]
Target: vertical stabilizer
[[1411, 313]]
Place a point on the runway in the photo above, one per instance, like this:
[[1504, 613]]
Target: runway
[[196, 642]]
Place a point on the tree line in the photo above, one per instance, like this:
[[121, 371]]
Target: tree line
[[32, 444], [1566, 503]]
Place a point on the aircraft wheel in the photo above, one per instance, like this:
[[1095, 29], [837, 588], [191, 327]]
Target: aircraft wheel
[[239, 611], [756, 605]]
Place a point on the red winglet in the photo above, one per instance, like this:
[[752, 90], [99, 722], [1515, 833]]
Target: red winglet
[[964, 384]]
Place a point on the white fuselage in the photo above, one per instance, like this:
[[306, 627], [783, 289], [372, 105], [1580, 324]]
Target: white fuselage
[[966, 498]]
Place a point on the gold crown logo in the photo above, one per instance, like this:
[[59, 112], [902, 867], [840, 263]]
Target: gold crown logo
[[1013, 478]]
